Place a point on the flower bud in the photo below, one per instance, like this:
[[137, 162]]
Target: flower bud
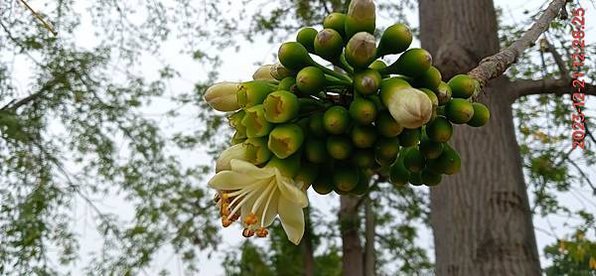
[[280, 106], [279, 72], [367, 82], [294, 56], [263, 73], [235, 121], [328, 44], [257, 151], [361, 50], [285, 140], [222, 96], [410, 107], [252, 93], [396, 39], [255, 122], [237, 151], [336, 21], [361, 17], [306, 37], [310, 80]]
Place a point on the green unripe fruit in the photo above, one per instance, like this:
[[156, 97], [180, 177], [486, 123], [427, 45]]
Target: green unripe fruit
[[431, 79], [294, 56], [367, 82], [345, 179], [363, 136], [386, 150], [409, 137], [432, 96], [280, 106], [310, 80], [416, 179], [413, 63], [387, 126], [315, 125], [315, 151], [449, 162], [361, 17], [377, 65], [252, 93], [339, 147], [481, 115], [396, 39], [443, 93], [429, 178], [363, 111], [255, 122], [364, 158], [329, 44], [287, 83], [394, 83], [414, 160], [439, 130], [463, 86], [285, 140], [323, 184], [430, 149], [399, 175], [306, 37], [361, 49], [336, 120], [459, 111], [335, 21]]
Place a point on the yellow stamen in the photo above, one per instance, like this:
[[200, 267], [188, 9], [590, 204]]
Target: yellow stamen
[[251, 219], [225, 222], [262, 232], [247, 233]]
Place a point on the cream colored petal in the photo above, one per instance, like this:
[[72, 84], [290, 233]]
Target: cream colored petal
[[292, 220], [271, 210], [230, 180], [288, 189], [248, 168]]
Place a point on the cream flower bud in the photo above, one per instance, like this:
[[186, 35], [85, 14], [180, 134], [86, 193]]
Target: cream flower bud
[[222, 96], [238, 151], [410, 107], [264, 73]]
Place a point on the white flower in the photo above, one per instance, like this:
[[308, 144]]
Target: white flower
[[410, 107], [257, 196], [238, 151], [222, 96], [263, 73]]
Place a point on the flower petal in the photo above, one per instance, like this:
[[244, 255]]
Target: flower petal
[[292, 220], [288, 189], [271, 210], [231, 180], [248, 168]]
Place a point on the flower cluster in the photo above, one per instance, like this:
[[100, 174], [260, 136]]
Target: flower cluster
[[300, 124]]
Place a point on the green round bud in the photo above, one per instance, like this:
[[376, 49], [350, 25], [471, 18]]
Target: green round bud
[[310, 80], [481, 115], [439, 130], [336, 120], [252, 93], [363, 111], [364, 158], [431, 79], [416, 179], [414, 160], [323, 184], [257, 151], [393, 83], [345, 179], [362, 187], [329, 44], [409, 137], [294, 56], [395, 39], [315, 125], [378, 65], [285, 140], [361, 17], [459, 111], [367, 82], [315, 151], [361, 49], [443, 93], [363, 136], [287, 83], [255, 122], [432, 96], [413, 63], [306, 37], [386, 150], [339, 147], [306, 175], [430, 149], [463, 86], [280, 106], [430, 178], [399, 175], [387, 126], [448, 163], [335, 21]]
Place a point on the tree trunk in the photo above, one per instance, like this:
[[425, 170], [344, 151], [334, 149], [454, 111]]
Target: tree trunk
[[352, 258], [307, 246], [369, 234], [481, 216]]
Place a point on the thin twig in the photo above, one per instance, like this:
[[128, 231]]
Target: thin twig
[[45, 24]]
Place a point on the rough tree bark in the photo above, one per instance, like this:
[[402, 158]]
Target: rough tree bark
[[481, 216], [307, 246], [352, 258], [369, 235]]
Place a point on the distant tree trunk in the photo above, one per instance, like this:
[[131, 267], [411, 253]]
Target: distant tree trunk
[[369, 234], [352, 258], [480, 217], [307, 247]]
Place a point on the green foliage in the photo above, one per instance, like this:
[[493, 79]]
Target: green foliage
[[576, 256]]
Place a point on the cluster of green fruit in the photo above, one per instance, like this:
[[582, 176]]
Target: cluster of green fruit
[[359, 119]]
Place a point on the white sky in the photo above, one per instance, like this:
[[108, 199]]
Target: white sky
[[239, 66]]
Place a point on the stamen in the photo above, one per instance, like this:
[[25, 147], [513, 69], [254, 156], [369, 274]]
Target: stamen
[[257, 202], [266, 208], [225, 222], [262, 232], [247, 233], [251, 219]]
